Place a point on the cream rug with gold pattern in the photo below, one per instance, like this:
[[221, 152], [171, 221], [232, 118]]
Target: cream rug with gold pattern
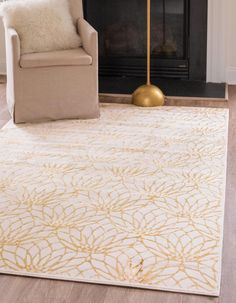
[[135, 198]]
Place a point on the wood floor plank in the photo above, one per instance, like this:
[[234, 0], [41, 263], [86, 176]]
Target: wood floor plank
[[15, 289], [4, 114], [170, 101], [228, 284], [87, 293], [2, 79], [131, 295]]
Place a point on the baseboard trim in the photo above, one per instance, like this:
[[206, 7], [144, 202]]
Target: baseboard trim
[[231, 75]]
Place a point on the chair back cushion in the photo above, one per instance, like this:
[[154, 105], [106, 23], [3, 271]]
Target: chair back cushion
[[76, 9], [42, 25]]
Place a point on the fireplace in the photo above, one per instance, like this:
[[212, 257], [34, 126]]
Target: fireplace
[[178, 33]]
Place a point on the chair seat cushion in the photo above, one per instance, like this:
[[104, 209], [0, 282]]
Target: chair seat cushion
[[56, 58]]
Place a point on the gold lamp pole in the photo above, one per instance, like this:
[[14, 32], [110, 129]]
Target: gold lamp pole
[[148, 95]]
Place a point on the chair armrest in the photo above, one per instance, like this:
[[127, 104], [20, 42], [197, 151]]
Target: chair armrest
[[89, 37], [12, 48]]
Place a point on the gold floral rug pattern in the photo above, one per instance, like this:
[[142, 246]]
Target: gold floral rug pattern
[[135, 198]]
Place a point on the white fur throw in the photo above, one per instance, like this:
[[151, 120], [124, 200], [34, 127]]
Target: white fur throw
[[42, 25]]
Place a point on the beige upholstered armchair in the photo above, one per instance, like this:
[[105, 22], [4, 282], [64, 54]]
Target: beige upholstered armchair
[[54, 85]]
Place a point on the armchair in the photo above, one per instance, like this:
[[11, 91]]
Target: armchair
[[54, 85]]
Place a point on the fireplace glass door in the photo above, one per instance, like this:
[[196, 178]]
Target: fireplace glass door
[[122, 36]]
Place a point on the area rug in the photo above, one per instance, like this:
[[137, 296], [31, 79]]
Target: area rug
[[135, 198]]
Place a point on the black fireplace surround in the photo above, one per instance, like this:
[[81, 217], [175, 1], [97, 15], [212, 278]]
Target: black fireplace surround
[[178, 34]]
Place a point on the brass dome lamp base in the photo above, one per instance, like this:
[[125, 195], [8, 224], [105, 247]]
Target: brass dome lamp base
[[148, 95]]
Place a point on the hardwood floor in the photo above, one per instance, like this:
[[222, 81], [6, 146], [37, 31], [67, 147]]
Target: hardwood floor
[[15, 289], [2, 79], [4, 114]]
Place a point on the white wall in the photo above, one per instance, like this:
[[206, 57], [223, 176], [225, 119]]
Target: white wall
[[221, 57], [216, 44], [230, 41], [2, 50]]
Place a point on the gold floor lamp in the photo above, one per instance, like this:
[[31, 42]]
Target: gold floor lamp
[[148, 95]]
